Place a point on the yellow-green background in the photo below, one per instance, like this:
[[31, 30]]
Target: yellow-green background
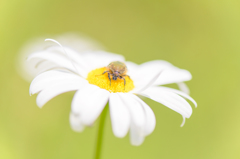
[[200, 36]]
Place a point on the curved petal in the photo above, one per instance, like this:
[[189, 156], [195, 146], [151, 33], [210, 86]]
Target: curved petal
[[170, 73], [66, 52], [138, 121], [80, 95], [141, 85], [181, 94], [120, 116], [33, 67], [142, 118], [136, 138], [69, 54], [169, 99], [49, 78], [60, 60], [183, 87], [77, 43], [150, 117], [57, 88], [136, 110], [183, 122], [173, 75], [89, 103], [75, 122]]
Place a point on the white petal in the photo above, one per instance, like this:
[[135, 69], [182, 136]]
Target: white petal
[[57, 88], [170, 73], [150, 117], [69, 54], [60, 60], [89, 103], [141, 85], [32, 68], [81, 95], [76, 123], [72, 40], [131, 67], [136, 111], [120, 116], [181, 94], [183, 87], [173, 75], [183, 122], [49, 78], [136, 138], [169, 99]]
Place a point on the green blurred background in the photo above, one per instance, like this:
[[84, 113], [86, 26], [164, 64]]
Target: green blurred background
[[200, 36]]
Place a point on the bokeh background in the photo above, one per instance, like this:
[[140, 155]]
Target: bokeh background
[[200, 36]]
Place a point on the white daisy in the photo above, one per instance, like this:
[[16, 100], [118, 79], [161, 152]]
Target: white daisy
[[83, 73]]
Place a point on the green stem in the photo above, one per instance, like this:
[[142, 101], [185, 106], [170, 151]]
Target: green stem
[[100, 133]]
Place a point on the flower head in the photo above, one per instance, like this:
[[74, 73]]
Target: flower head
[[97, 80]]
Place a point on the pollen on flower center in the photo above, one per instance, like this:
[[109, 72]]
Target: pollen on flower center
[[95, 77]]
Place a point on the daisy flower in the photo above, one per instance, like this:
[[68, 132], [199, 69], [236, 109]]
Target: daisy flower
[[90, 74]]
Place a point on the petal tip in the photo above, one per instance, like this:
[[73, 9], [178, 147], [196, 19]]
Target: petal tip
[[120, 135], [39, 104], [183, 122]]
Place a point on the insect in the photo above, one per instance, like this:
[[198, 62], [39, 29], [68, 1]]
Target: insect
[[116, 70]]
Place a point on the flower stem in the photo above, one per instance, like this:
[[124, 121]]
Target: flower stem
[[100, 133]]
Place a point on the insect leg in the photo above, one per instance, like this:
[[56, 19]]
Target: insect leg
[[127, 76], [103, 73], [124, 82], [109, 78]]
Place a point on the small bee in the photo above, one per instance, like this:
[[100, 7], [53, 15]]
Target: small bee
[[116, 70]]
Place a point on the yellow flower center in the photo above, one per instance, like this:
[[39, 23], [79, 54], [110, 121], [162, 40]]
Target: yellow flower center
[[101, 80]]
